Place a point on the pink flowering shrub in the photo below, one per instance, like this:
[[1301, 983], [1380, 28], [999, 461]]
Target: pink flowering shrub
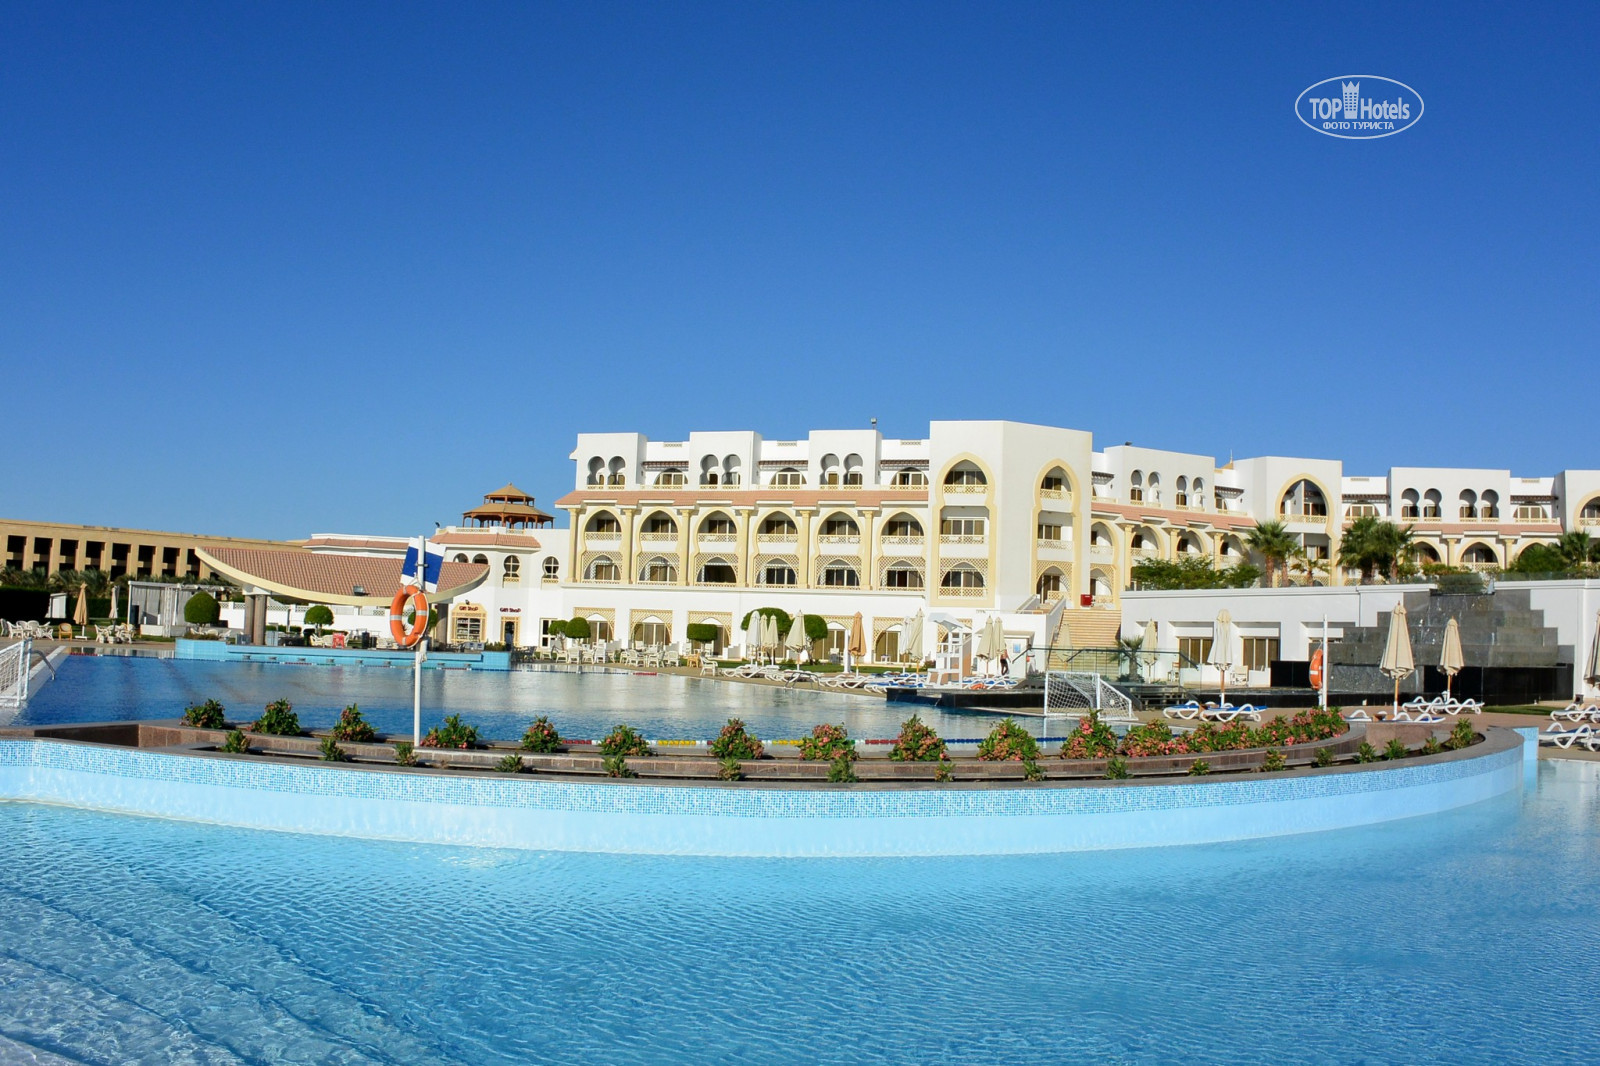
[[917, 742], [1093, 739], [828, 742], [1008, 742]]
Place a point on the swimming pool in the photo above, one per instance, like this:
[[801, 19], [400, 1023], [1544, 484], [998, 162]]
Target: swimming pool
[[121, 688], [1463, 937]]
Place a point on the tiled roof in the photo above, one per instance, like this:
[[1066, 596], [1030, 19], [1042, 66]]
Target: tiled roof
[[488, 539], [510, 491], [1218, 519], [840, 496], [335, 540], [328, 577]]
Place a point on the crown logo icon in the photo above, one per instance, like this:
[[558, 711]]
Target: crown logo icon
[[1352, 97]]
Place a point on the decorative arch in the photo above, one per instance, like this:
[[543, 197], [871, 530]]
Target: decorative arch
[[717, 523], [778, 523], [1303, 498], [1055, 477], [603, 522], [963, 468], [1480, 554]]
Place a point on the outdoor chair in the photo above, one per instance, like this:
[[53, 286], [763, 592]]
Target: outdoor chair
[[1184, 712]]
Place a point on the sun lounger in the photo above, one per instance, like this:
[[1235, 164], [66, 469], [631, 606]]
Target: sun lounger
[[1587, 735], [1184, 711], [1227, 712]]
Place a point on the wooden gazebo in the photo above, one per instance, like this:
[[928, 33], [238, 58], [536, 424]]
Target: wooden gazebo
[[509, 507]]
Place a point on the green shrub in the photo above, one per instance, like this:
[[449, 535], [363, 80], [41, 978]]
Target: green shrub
[[557, 627], [1396, 749], [510, 763], [1008, 742], [1199, 768], [578, 628], [352, 728], [917, 742], [541, 737], [944, 771], [1366, 752], [784, 621], [1324, 757], [279, 720], [1461, 736], [202, 610], [830, 742], [730, 769], [405, 754], [237, 743], [617, 766], [842, 769], [319, 616], [1116, 768], [1431, 746], [1032, 771], [734, 743], [623, 741], [453, 734], [1152, 739], [1093, 739], [1274, 762], [701, 632], [816, 628], [331, 751], [207, 715]]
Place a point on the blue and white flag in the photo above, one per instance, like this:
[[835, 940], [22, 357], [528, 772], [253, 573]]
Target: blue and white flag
[[432, 562]]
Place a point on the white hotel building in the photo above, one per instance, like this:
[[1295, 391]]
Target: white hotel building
[[976, 517]]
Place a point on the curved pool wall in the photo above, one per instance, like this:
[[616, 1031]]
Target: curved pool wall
[[856, 821]]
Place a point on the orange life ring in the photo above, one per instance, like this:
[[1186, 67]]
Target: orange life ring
[[408, 595], [1316, 668]]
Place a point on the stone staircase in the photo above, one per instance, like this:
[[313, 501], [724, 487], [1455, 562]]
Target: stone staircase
[[1084, 629]]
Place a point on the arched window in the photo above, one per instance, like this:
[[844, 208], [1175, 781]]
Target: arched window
[[511, 570], [1303, 500], [660, 524], [652, 631], [903, 576], [965, 476], [597, 471], [717, 524], [459, 558], [1480, 554], [1054, 485], [840, 525], [1590, 511], [715, 571], [1432, 505], [658, 570], [481, 558], [961, 576], [788, 477], [853, 469], [829, 470], [910, 478], [840, 576], [1050, 585], [1181, 496], [1197, 498], [902, 525], [1410, 504], [710, 471], [778, 524], [671, 479], [1424, 552], [552, 568], [604, 524], [1489, 504], [1469, 504], [1136, 486], [730, 470], [1152, 487], [616, 472], [1100, 538], [604, 568], [778, 574]]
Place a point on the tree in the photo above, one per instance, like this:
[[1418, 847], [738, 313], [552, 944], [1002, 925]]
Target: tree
[[1274, 543], [816, 627], [1577, 550], [1303, 565], [701, 632], [1372, 544], [578, 628], [1191, 572], [201, 610], [784, 621], [319, 615]]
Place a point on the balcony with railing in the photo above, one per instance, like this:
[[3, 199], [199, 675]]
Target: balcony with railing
[[1061, 496], [717, 540], [903, 543], [840, 542], [966, 489], [777, 541], [605, 540], [658, 538]]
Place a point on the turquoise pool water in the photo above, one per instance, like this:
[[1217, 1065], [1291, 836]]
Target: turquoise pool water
[[110, 688], [1464, 937]]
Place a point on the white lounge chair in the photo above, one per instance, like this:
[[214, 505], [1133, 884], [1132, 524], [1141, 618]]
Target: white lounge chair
[[1587, 735], [1184, 712]]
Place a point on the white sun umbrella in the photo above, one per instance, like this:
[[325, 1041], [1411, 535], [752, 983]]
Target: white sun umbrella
[[1227, 648], [911, 636], [997, 638], [1149, 646], [1398, 661], [752, 635], [769, 635], [1450, 658], [796, 642], [981, 648]]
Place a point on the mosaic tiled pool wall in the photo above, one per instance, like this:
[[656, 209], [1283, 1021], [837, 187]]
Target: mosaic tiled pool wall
[[752, 821]]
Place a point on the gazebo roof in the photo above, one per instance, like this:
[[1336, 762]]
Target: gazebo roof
[[509, 494]]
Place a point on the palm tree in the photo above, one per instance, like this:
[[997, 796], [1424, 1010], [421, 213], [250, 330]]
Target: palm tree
[[96, 582], [1274, 543], [1577, 550], [1360, 547], [1303, 565]]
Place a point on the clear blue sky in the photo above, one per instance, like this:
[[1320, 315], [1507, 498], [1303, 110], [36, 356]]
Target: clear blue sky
[[274, 269]]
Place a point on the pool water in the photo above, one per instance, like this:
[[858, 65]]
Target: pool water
[[117, 688], [1465, 937]]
